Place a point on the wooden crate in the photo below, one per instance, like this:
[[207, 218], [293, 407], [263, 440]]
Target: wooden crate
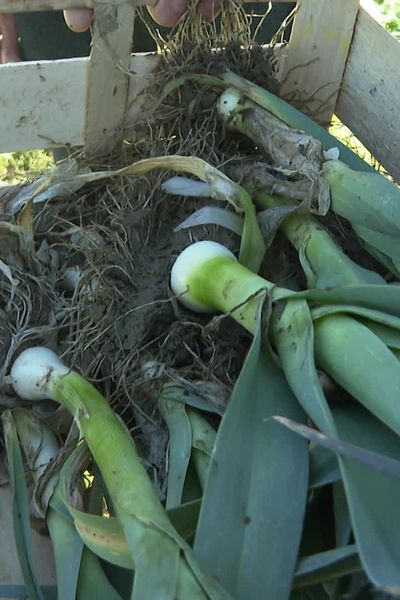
[[338, 57]]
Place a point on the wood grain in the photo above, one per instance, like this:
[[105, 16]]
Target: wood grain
[[369, 100], [316, 55], [108, 77]]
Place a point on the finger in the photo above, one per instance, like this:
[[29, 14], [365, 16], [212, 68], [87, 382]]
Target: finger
[[9, 50], [208, 9], [10, 54], [168, 12], [78, 19]]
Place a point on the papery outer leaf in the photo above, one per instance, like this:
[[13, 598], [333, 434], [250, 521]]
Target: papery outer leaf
[[294, 118], [212, 215], [184, 186]]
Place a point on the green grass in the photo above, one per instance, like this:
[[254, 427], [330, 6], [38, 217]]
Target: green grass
[[390, 10], [19, 166]]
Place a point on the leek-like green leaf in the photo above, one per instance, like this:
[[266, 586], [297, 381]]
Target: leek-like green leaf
[[377, 297], [389, 335], [252, 247], [196, 397], [20, 506], [342, 515], [373, 516], [368, 200], [93, 582], [257, 488], [105, 536], [68, 547], [374, 460], [203, 445], [163, 561], [324, 468], [376, 320], [185, 517], [378, 497], [324, 262], [322, 567], [361, 363], [180, 447]]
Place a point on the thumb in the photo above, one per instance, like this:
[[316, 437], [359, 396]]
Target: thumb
[[78, 19]]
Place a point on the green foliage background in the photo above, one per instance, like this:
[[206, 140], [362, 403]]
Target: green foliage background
[[391, 15]]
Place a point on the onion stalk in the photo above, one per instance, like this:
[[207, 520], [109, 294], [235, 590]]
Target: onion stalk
[[367, 199], [324, 262], [204, 273], [164, 563]]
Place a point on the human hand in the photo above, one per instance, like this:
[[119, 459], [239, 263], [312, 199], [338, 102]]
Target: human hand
[[165, 12], [9, 46]]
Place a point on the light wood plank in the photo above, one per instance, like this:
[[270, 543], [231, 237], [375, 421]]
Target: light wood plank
[[143, 67], [317, 53], [369, 101], [42, 104], [108, 77]]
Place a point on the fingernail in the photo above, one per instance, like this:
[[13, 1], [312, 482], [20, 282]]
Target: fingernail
[[78, 19], [168, 12]]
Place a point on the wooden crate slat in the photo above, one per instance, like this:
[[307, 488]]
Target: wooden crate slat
[[42, 104], [369, 101], [317, 54], [108, 77], [144, 66]]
